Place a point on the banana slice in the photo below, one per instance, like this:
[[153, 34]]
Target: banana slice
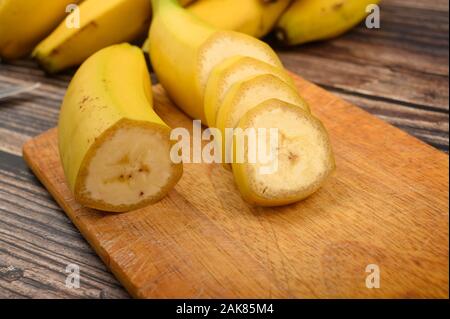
[[114, 148], [231, 71], [299, 164], [225, 44], [247, 94]]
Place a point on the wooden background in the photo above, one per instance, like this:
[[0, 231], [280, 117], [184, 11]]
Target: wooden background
[[399, 73]]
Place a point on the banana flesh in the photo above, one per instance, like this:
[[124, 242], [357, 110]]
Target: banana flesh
[[245, 95], [231, 71]]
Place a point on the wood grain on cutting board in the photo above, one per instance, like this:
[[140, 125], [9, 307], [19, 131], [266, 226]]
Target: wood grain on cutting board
[[387, 204]]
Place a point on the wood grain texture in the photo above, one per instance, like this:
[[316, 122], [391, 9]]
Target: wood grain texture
[[37, 240], [387, 204]]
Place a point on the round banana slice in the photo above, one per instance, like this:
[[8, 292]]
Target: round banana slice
[[231, 71], [247, 94], [296, 161], [127, 167], [225, 44]]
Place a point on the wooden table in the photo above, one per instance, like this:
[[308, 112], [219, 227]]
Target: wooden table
[[399, 73]]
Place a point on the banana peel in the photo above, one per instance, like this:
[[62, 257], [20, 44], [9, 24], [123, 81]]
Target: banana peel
[[23, 23]]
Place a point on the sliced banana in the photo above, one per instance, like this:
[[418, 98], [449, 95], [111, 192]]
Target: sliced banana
[[114, 148], [231, 71], [299, 164]]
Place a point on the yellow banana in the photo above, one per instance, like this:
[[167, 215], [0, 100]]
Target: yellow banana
[[314, 20], [253, 17], [102, 23], [23, 23], [114, 148], [184, 50]]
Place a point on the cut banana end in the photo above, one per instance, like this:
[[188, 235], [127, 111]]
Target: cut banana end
[[231, 71], [247, 94], [226, 44], [114, 148], [300, 161], [127, 168]]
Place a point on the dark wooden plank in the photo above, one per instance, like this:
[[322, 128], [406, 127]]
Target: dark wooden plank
[[438, 5], [429, 126], [37, 242], [394, 62]]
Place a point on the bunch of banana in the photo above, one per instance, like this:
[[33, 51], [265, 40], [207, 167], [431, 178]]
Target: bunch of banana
[[240, 83], [107, 105], [23, 23], [313, 20]]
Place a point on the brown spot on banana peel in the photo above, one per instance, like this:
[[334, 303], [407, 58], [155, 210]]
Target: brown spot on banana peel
[[337, 6]]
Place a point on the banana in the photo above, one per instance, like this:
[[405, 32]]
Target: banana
[[184, 50], [314, 20], [102, 23], [231, 71], [304, 160], [114, 148], [253, 17], [23, 23]]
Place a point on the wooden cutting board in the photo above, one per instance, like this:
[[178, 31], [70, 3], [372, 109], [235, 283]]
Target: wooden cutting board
[[387, 204]]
